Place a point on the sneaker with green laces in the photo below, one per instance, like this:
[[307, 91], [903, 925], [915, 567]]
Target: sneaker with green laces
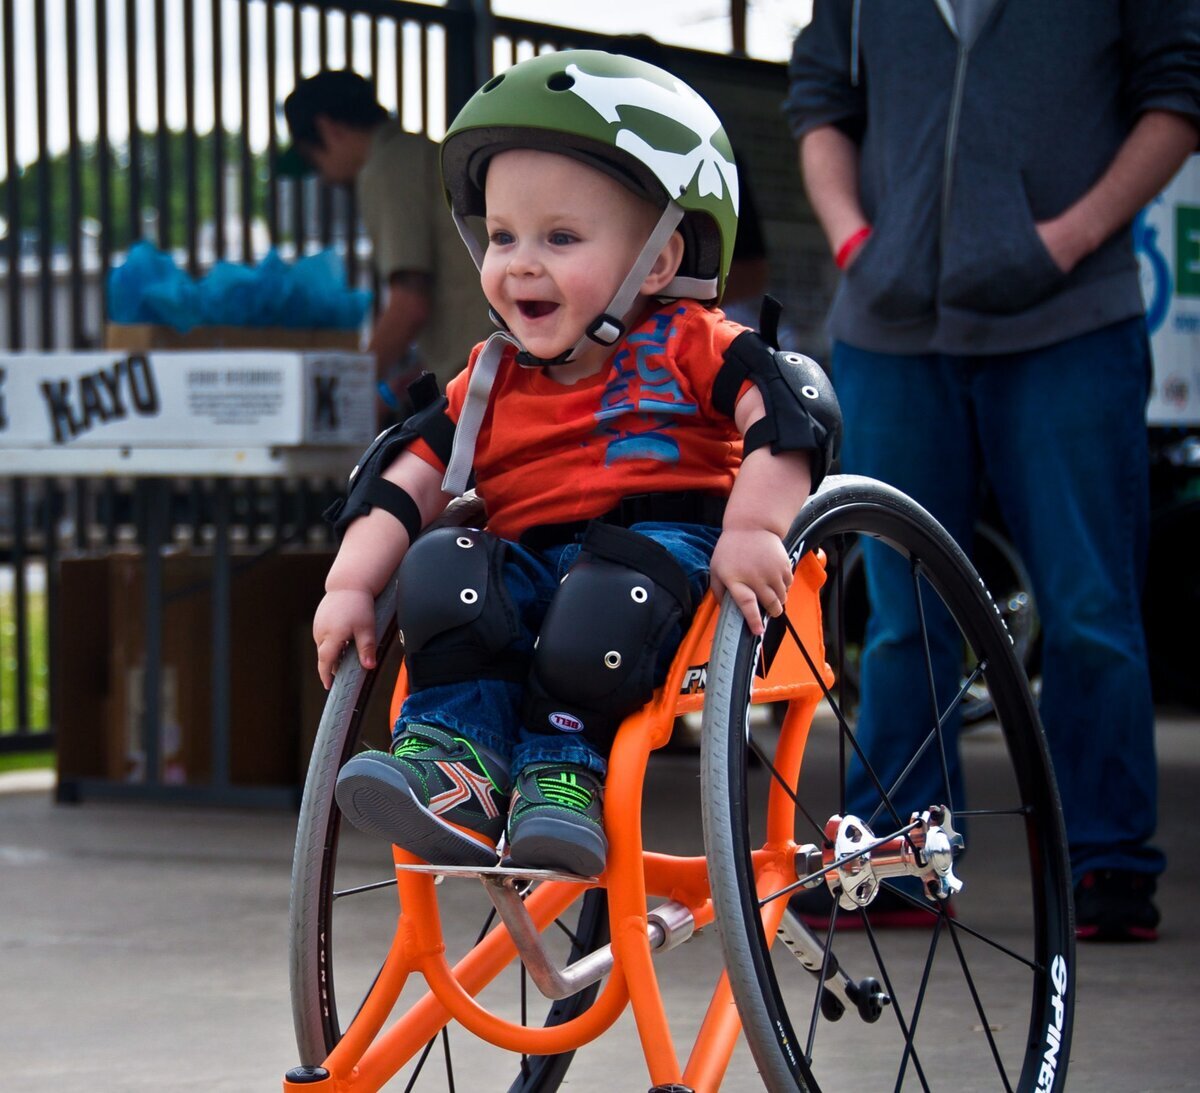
[[556, 820], [435, 794]]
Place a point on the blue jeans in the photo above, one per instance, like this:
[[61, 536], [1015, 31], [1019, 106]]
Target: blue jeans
[[488, 711], [1060, 435]]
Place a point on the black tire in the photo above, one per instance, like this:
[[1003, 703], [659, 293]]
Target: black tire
[[982, 996], [1007, 579], [343, 900]]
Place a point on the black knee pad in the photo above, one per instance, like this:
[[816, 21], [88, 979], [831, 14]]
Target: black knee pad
[[456, 617], [598, 648]]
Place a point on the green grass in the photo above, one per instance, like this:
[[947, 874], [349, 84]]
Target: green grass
[[37, 665], [26, 760]]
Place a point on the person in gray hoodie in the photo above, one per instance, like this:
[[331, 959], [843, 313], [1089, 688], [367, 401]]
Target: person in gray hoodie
[[976, 166]]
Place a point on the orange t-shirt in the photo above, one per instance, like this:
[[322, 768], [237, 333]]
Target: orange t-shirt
[[549, 453]]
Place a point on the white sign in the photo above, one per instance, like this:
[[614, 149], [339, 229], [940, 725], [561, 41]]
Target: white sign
[[208, 399], [1166, 236]]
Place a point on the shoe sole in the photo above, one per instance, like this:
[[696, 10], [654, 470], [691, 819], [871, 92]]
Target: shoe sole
[[546, 843], [377, 799]]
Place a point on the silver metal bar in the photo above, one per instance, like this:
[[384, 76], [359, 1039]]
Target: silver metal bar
[[667, 925]]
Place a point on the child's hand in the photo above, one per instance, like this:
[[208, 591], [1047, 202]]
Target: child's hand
[[753, 567], [345, 614]]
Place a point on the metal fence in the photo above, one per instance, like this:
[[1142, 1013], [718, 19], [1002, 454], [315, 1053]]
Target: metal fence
[[159, 119]]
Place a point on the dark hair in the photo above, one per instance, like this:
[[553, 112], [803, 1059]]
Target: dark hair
[[340, 94]]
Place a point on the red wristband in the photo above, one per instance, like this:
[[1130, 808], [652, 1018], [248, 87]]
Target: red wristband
[[846, 250]]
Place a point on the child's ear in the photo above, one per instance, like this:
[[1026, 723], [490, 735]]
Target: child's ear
[[666, 265]]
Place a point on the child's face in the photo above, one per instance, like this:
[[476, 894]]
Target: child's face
[[561, 238]]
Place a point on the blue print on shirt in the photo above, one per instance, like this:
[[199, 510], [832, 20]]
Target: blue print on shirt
[[642, 401]]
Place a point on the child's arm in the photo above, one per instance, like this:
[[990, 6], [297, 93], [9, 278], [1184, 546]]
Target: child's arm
[[371, 549], [749, 561]]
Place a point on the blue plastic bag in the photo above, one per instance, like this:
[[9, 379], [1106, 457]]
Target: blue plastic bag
[[311, 292]]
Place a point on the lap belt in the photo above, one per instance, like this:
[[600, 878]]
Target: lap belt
[[638, 508]]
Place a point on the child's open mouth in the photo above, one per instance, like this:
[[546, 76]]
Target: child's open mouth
[[535, 309]]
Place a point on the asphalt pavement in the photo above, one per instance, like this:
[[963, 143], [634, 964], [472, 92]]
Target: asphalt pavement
[[143, 947]]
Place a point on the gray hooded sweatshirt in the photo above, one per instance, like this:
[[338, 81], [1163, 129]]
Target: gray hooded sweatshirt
[[976, 119]]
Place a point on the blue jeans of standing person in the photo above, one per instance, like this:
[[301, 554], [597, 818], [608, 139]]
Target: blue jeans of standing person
[[1060, 434], [488, 711]]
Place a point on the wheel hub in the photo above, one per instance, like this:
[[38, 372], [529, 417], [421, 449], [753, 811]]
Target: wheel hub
[[856, 860]]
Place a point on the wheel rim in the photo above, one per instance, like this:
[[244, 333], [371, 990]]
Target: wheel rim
[[975, 993]]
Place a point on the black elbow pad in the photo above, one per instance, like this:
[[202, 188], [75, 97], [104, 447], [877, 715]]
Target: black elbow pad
[[366, 486], [802, 412]]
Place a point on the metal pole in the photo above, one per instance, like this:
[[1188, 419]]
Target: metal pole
[[222, 636]]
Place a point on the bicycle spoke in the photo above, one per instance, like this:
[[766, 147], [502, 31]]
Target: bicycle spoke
[[843, 724], [1023, 811], [983, 1019], [891, 990], [365, 888], [570, 933], [420, 1064], [449, 1060], [934, 735], [1032, 965], [758, 750], [910, 1047], [933, 702]]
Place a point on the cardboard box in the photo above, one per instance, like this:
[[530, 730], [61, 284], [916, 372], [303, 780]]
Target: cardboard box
[[99, 666], [214, 399], [145, 336]]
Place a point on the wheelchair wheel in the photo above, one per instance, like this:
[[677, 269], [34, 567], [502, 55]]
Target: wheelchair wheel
[[344, 903], [977, 991]]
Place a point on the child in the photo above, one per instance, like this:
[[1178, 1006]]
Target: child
[[604, 428]]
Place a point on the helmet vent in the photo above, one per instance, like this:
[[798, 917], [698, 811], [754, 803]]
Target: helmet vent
[[560, 81], [493, 83]]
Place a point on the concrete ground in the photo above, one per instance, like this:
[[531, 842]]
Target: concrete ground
[[144, 947]]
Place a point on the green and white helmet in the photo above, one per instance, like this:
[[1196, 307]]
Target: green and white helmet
[[637, 123]]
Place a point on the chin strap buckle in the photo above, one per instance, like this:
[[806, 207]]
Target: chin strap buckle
[[606, 330]]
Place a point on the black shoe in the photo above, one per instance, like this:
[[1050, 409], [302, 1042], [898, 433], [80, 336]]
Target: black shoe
[[888, 910], [556, 820], [434, 794], [1116, 905]]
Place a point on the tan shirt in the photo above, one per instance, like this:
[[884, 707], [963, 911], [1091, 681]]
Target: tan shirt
[[408, 221]]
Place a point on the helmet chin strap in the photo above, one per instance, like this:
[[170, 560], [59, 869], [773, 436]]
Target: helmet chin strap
[[606, 329]]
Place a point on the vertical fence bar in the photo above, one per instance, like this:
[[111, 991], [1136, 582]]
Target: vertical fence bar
[[153, 502], [50, 560], [191, 198], [103, 159], [222, 634], [218, 133], [325, 198], [83, 515], [13, 187], [45, 182], [297, 184], [272, 142], [162, 152], [246, 173], [74, 181], [135, 136], [423, 39], [20, 602]]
